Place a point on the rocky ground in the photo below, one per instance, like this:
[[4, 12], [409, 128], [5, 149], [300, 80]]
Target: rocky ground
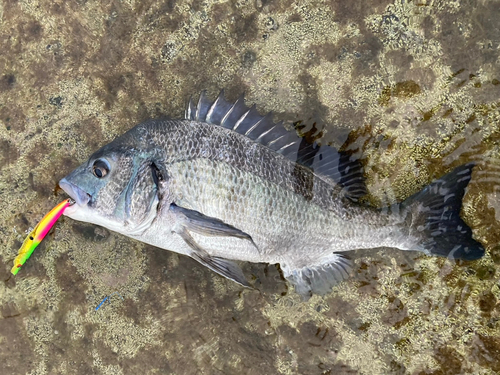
[[411, 87]]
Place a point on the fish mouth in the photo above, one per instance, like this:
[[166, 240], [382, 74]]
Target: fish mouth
[[81, 197]]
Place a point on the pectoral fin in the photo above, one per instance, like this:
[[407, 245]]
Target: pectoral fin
[[196, 222], [193, 221], [221, 266]]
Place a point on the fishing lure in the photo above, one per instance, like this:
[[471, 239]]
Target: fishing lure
[[36, 235]]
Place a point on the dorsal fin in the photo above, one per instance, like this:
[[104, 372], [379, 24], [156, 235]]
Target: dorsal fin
[[324, 160]]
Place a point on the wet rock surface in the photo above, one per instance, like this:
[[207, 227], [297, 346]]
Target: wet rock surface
[[412, 88]]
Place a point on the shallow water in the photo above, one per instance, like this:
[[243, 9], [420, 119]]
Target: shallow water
[[412, 88]]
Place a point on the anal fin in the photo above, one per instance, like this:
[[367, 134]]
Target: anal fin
[[319, 278]]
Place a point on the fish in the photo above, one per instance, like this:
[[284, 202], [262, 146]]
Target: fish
[[226, 184], [38, 234]]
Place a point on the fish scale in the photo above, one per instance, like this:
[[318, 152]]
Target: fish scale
[[279, 221], [251, 203], [226, 183], [219, 144]]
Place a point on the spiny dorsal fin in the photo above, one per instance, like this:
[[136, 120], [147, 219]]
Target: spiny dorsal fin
[[322, 160]]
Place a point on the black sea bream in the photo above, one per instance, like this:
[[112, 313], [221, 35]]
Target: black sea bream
[[227, 184]]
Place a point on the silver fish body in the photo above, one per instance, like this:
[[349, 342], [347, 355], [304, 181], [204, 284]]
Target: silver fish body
[[227, 184]]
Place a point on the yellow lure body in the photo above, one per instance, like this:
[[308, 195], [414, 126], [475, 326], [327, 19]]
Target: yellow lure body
[[36, 235]]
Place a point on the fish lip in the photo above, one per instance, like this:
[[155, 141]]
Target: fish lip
[[81, 197]]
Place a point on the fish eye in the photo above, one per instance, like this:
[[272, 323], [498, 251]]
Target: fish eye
[[100, 168]]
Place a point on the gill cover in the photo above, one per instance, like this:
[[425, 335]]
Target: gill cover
[[142, 196]]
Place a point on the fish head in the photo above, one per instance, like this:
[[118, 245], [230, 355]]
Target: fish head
[[117, 188]]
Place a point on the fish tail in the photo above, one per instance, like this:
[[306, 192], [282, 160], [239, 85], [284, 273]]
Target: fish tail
[[436, 221]]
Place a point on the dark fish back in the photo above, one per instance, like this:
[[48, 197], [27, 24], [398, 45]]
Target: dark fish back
[[323, 161]]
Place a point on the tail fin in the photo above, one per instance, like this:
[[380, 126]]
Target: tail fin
[[436, 217]]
